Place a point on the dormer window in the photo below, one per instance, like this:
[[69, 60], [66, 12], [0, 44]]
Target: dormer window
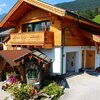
[[36, 27]]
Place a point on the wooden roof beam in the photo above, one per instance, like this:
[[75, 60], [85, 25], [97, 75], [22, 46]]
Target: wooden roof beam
[[29, 6], [12, 23]]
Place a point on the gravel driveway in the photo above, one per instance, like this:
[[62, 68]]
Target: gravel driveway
[[82, 87]]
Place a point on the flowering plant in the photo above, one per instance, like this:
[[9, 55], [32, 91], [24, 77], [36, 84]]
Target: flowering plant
[[22, 91], [12, 77]]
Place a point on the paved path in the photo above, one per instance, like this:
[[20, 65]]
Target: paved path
[[82, 87], [3, 94]]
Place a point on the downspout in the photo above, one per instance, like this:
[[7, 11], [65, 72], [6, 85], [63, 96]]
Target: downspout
[[63, 42]]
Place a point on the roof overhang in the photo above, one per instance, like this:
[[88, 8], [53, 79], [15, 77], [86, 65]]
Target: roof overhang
[[10, 55], [10, 20], [90, 28], [7, 32], [38, 55], [22, 6], [41, 55], [81, 20], [96, 38]]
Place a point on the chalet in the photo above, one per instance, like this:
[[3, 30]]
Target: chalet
[[69, 40]]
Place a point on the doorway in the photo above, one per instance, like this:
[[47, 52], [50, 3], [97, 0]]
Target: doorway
[[70, 62], [90, 59]]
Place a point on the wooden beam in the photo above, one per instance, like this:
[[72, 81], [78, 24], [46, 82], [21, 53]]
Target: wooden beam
[[97, 47], [29, 6], [12, 23]]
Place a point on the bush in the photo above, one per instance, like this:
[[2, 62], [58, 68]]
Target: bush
[[21, 91], [27, 92], [53, 90]]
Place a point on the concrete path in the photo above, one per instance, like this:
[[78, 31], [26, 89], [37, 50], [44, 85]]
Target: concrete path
[[3, 94], [82, 87]]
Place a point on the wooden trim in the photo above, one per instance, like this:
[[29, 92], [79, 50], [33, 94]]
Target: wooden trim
[[47, 7], [96, 38], [11, 12], [36, 39], [97, 47], [36, 20]]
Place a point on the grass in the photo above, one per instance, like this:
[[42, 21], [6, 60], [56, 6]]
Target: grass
[[97, 19]]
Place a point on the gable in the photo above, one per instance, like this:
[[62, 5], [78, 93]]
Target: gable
[[34, 15], [47, 7], [22, 6]]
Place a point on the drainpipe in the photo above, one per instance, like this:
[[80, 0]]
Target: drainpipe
[[62, 51], [63, 42]]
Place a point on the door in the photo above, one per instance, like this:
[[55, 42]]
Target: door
[[70, 62], [90, 59]]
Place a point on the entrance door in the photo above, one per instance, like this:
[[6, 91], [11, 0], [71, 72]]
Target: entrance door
[[90, 59], [70, 62]]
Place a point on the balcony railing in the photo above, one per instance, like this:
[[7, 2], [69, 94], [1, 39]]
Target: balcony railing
[[36, 39]]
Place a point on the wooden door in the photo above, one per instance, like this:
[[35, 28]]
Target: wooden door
[[82, 58], [90, 59]]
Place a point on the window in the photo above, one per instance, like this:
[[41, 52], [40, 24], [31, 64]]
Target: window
[[36, 27], [29, 27], [0, 40], [32, 74]]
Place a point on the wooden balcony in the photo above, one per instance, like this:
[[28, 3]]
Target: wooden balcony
[[34, 39]]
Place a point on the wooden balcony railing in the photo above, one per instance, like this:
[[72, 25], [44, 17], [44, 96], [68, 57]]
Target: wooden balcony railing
[[36, 39]]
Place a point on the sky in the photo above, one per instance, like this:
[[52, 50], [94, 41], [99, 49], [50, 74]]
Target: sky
[[6, 5]]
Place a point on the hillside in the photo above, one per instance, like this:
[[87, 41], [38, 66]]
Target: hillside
[[97, 19], [80, 4], [86, 8]]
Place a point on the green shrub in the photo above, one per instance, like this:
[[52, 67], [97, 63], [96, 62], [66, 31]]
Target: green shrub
[[27, 92], [20, 92], [53, 89]]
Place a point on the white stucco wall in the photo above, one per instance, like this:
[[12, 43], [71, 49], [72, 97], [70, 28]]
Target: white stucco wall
[[55, 55], [4, 46], [97, 61]]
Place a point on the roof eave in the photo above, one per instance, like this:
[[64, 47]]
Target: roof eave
[[10, 13], [47, 7], [82, 19]]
